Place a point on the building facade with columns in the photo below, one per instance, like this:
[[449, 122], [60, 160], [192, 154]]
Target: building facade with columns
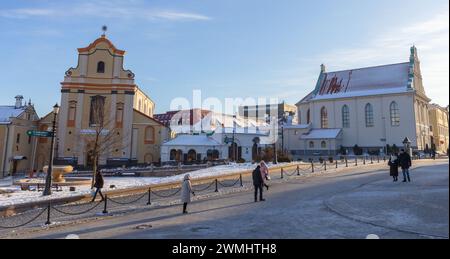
[[99, 92], [439, 127], [370, 107]]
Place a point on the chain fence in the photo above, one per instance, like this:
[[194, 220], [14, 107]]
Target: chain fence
[[56, 212]]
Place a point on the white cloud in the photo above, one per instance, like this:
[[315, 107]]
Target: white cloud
[[25, 13], [104, 9]]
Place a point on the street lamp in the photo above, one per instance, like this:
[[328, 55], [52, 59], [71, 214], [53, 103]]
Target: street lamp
[[48, 180]]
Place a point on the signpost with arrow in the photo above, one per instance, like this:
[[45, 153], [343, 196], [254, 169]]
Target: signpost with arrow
[[41, 134]]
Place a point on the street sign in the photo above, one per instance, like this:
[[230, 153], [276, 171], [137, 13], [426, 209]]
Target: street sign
[[41, 134]]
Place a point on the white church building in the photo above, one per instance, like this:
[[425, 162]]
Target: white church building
[[369, 107]]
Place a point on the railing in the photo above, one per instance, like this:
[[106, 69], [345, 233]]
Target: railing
[[145, 196]]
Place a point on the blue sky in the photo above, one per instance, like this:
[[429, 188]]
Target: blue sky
[[226, 48]]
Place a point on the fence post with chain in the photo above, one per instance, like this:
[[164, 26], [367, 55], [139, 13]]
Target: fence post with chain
[[105, 207], [48, 222], [149, 202]]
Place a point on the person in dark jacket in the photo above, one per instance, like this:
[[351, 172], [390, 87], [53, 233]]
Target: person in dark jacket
[[393, 164], [98, 184], [258, 182], [405, 163]]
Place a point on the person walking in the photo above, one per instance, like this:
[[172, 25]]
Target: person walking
[[258, 183], [405, 164], [186, 191], [98, 184], [394, 164], [265, 174]]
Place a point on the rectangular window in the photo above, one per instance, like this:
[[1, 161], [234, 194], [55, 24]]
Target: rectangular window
[[96, 115]]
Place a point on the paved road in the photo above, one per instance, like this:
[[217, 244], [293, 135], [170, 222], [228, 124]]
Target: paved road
[[350, 205]]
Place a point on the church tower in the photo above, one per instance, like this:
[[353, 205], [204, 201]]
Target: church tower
[[99, 91]]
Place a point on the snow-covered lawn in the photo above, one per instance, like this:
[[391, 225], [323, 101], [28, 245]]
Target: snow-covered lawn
[[22, 197]]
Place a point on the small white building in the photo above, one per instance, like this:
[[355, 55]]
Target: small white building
[[192, 148], [217, 145]]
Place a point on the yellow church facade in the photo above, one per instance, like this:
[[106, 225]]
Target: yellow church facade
[[100, 96]]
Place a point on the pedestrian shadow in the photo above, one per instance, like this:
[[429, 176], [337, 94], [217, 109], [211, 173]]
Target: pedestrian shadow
[[137, 222]]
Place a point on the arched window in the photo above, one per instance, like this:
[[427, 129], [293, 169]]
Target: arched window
[[323, 144], [140, 105], [192, 155], [323, 118], [311, 144], [395, 114], [369, 115], [101, 67], [308, 116], [173, 154], [145, 107], [345, 117], [149, 135]]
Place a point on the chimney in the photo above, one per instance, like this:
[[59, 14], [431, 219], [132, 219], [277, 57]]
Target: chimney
[[19, 99]]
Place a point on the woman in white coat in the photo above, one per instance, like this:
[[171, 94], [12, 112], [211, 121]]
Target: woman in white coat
[[186, 190]]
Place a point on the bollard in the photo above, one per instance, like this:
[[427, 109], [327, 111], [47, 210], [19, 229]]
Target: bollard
[[298, 170], [346, 162], [149, 202], [364, 160], [105, 208], [378, 158], [282, 173], [336, 164], [217, 186], [371, 159], [312, 166], [356, 161], [240, 180], [325, 164], [48, 215], [384, 158]]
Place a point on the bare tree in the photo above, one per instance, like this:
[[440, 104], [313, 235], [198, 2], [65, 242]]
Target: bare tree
[[104, 136]]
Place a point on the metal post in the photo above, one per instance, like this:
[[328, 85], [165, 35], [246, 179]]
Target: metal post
[[48, 215], [371, 159], [105, 208], [346, 162], [312, 166], [325, 163], [364, 160], [217, 186], [282, 173], [336, 164], [240, 180], [48, 179], [378, 158], [356, 161], [298, 170], [149, 202]]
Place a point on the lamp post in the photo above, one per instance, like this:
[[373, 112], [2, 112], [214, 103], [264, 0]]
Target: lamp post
[[48, 180], [275, 156], [234, 156]]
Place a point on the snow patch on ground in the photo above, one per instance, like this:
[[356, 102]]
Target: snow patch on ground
[[14, 196]]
